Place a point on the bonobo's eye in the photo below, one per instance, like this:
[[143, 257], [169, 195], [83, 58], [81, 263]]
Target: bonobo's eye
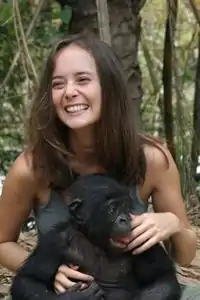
[[111, 209]]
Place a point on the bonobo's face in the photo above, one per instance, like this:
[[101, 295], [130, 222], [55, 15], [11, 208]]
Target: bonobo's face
[[107, 222], [112, 221]]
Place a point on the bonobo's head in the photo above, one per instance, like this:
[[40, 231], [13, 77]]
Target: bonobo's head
[[101, 208]]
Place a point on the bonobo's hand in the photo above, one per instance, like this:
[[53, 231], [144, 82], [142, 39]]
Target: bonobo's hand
[[149, 229], [92, 292], [67, 276]]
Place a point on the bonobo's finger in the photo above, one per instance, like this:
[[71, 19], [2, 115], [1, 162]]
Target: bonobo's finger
[[76, 287], [99, 295], [74, 274], [62, 283], [92, 289], [84, 286]]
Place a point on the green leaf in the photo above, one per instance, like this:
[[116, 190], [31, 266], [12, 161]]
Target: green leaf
[[66, 14], [6, 12]]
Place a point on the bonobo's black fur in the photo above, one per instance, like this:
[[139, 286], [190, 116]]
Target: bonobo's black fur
[[99, 209]]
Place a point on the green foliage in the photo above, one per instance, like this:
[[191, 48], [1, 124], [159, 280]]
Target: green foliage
[[184, 68], [17, 84], [66, 14]]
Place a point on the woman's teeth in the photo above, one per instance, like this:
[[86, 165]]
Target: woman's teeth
[[76, 108]]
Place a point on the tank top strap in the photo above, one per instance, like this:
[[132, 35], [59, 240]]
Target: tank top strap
[[139, 206]]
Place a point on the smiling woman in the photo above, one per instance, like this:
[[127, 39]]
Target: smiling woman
[[82, 121]]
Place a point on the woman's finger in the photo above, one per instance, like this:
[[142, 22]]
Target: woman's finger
[[150, 243], [141, 239], [73, 267], [139, 230], [59, 289], [137, 220]]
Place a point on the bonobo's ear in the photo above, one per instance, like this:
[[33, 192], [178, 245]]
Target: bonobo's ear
[[75, 205]]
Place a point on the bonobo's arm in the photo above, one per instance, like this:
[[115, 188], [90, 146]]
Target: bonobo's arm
[[43, 262], [34, 280], [37, 273], [28, 289], [152, 264], [164, 289], [156, 275]]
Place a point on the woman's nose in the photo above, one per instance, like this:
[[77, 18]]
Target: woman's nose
[[70, 91]]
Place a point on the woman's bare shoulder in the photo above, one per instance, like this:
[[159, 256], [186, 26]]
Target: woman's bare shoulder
[[159, 162], [22, 167], [21, 175]]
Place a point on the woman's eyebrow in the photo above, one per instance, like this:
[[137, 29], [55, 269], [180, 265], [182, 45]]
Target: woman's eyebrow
[[57, 77], [76, 73], [84, 73]]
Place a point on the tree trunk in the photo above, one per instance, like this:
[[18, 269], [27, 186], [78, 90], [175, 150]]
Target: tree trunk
[[168, 57], [196, 118], [125, 34]]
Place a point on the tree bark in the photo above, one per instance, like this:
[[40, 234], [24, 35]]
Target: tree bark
[[196, 118], [168, 74]]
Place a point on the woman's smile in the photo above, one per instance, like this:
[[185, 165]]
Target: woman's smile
[[76, 108]]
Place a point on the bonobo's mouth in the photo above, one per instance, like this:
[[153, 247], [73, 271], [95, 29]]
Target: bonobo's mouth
[[119, 242]]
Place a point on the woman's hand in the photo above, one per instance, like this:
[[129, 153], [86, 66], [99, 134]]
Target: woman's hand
[[149, 229], [68, 276]]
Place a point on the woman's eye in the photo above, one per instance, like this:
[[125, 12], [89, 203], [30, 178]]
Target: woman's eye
[[57, 85], [83, 80]]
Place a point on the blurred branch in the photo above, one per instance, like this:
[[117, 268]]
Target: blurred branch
[[195, 11], [18, 41], [103, 21], [27, 34], [154, 80], [23, 37], [190, 47], [150, 65]]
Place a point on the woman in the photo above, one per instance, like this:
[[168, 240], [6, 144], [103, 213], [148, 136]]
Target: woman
[[81, 121]]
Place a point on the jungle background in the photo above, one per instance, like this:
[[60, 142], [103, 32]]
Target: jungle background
[[158, 42]]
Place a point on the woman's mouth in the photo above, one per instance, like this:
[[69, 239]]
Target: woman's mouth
[[76, 108]]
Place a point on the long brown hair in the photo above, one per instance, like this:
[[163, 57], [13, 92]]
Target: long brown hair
[[118, 148]]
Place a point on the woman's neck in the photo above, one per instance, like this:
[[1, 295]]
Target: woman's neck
[[81, 140], [82, 143]]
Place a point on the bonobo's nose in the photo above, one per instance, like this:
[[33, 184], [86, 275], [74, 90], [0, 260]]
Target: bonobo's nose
[[122, 219], [122, 225]]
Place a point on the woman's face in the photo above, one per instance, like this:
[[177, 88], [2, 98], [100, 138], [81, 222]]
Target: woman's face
[[76, 90]]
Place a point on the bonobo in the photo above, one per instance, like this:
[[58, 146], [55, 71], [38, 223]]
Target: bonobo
[[93, 239]]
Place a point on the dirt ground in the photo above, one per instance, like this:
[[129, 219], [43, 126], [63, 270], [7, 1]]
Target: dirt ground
[[189, 275]]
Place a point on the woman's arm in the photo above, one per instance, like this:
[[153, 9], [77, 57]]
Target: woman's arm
[[18, 193], [169, 222], [167, 197]]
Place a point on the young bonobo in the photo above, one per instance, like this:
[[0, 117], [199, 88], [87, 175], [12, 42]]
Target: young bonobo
[[93, 238]]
